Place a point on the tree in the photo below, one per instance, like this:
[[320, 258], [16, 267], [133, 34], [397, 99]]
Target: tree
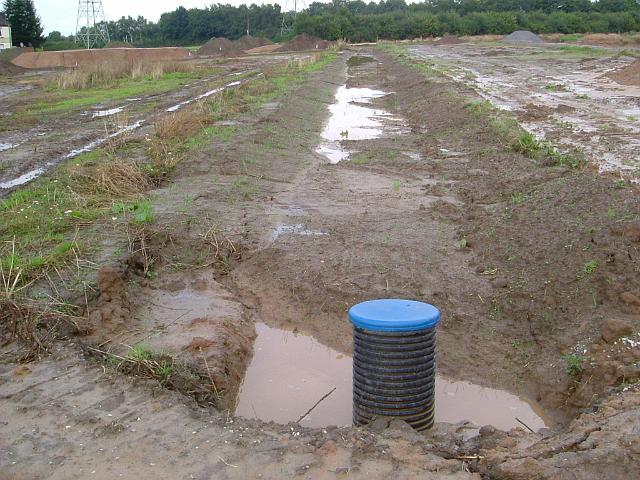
[[25, 24]]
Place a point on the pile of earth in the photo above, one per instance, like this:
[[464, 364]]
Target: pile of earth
[[220, 47], [304, 42], [448, 40], [8, 68], [248, 42], [522, 36], [629, 75]]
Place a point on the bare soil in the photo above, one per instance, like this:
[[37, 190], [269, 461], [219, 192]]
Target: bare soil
[[562, 96], [87, 58], [221, 47], [528, 261], [248, 42], [304, 42], [629, 75]]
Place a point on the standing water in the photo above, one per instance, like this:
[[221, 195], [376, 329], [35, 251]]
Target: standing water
[[290, 372], [352, 119]]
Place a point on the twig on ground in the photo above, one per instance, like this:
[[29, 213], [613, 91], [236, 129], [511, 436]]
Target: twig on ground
[[227, 464], [316, 404], [527, 426]]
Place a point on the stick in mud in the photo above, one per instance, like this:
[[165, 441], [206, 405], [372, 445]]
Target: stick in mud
[[527, 426], [316, 404]]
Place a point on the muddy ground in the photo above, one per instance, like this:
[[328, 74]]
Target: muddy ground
[[30, 142], [563, 93], [529, 262]]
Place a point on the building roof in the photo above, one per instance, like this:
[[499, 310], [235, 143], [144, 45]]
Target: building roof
[[3, 20]]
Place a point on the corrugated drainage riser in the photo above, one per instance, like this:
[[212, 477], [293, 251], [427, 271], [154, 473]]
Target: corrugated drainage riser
[[394, 375]]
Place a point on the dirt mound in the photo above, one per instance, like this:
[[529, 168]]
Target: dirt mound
[[481, 38], [522, 36], [7, 56], [448, 40], [264, 49], [248, 42], [304, 42], [220, 47], [629, 75], [84, 58], [8, 68]]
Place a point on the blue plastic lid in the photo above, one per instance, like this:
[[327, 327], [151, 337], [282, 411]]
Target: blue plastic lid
[[394, 315]]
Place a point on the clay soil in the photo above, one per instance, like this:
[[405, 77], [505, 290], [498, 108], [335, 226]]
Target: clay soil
[[629, 75], [529, 262], [304, 42]]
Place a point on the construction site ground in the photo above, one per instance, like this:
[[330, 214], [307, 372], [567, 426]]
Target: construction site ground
[[532, 257]]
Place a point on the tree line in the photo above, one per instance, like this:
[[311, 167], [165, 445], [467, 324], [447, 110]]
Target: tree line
[[387, 19]]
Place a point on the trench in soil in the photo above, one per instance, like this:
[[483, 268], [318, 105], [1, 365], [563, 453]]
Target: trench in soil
[[295, 378], [291, 371]]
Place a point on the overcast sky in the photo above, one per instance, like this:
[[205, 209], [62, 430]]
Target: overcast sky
[[61, 14]]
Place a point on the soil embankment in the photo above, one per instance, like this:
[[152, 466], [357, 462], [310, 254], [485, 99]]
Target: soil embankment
[[95, 57], [629, 75], [304, 42]]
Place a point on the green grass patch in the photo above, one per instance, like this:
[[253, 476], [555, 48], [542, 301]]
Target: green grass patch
[[575, 364], [37, 226], [140, 212], [42, 224], [218, 132], [59, 101], [361, 159], [574, 37], [521, 141]]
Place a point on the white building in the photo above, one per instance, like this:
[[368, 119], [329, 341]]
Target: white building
[[5, 32]]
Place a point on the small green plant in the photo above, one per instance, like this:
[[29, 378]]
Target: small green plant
[[573, 159], [526, 143], [590, 267], [164, 371], [361, 159], [143, 212], [611, 213], [462, 242], [243, 187], [574, 364], [396, 185], [552, 87], [516, 198], [139, 353]]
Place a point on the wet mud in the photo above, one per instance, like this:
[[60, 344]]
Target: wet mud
[[290, 372], [585, 108]]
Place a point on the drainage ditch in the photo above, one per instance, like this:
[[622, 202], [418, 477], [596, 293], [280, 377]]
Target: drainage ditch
[[291, 371]]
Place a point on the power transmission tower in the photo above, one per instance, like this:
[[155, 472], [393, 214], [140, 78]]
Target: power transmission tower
[[289, 16], [91, 27]]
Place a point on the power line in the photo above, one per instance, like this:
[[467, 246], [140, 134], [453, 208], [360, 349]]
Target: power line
[[91, 26]]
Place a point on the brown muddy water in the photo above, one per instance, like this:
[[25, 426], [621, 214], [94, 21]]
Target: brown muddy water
[[291, 371]]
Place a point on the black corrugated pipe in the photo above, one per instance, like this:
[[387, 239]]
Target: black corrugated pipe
[[394, 363]]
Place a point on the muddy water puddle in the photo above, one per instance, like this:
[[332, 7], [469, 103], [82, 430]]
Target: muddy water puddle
[[294, 229], [290, 372], [351, 118], [107, 113]]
